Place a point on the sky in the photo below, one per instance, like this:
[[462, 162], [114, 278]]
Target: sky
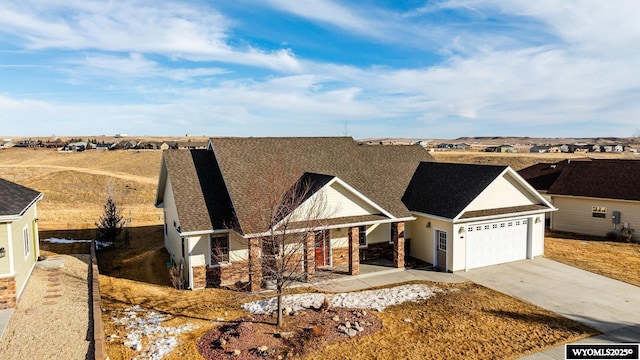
[[369, 68]]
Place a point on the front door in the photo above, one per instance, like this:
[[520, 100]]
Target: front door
[[441, 253], [323, 248]]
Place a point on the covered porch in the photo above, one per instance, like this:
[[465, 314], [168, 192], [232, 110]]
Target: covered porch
[[341, 250]]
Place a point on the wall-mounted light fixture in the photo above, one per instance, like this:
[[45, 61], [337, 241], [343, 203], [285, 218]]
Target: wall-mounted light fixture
[[35, 220], [428, 224], [3, 252], [461, 230], [538, 220]]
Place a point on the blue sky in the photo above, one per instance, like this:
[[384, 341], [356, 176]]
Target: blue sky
[[418, 69]]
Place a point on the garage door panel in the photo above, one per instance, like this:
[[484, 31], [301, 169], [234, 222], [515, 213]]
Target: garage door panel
[[496, 242]]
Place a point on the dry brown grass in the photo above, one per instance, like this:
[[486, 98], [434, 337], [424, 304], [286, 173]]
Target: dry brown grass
[[472, 323], [75, 185], [616, 260]]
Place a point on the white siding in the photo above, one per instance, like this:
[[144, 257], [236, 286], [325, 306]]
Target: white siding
[[239, 248], [456, 248], [379, 233], [422, 243], [339, 238], [575, 215], [172, 240], [336, 201], [23, 265], [504, 191]]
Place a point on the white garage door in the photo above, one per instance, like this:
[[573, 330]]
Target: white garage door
[[496, 242]]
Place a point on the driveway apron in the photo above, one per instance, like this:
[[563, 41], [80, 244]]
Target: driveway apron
[[607, 305]]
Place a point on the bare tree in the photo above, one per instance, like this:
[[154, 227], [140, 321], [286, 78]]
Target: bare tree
[[636, 136], [291, 213]]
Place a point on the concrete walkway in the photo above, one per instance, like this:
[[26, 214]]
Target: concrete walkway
[[607, 305], [373, 276]]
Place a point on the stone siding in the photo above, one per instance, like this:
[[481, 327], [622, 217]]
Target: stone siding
[[227, 274], [8, 293], [341, 256]]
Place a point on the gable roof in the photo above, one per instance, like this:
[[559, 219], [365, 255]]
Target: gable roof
[[445, 189], [240, 168], [15, 199], [609, 179]]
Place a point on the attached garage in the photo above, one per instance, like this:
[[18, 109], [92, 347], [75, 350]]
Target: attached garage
[[470, 216], [496, 242]]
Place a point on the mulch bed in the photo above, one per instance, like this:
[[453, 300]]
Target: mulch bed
[[258, 338]]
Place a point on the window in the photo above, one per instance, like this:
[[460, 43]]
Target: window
[[598, 211], [219, 248], [25, 234], [362, 236], [442, 240]]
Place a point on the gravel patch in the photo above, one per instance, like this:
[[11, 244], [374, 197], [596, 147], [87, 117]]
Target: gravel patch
[[370, 299], [57, 327]]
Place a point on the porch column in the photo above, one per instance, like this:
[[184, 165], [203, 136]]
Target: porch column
[[309, 257], [397, 235], [354, 251], [255, 265]]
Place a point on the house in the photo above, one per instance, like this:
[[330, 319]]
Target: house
[[19, 248], [385, 201], [539, 149], [593, 196], [501, 149], [76, 146]]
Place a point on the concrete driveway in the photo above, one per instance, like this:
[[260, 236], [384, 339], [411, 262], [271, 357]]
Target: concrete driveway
[[607, 305]]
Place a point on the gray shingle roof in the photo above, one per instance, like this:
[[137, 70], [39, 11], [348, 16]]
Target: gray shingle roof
[[14, 198], [444, 189], [246, 166]]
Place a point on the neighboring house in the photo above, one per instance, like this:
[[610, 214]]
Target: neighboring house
[[501, 149], [539, 149], [19, 248], [593, 196], [75, 146], [456, 217]]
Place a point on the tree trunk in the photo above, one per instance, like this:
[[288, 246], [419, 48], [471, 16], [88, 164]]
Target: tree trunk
[[279, 318]]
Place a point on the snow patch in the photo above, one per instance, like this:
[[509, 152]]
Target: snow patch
[[369, 299], [99, 244], [146, 334]]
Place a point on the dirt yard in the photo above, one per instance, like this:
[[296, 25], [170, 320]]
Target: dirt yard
[[617, 260]]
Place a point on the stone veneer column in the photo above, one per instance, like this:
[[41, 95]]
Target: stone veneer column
[[397, 234], [354, 251], [309, 257], [255, 265]]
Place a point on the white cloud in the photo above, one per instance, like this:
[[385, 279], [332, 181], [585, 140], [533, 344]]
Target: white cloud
[[169, 28]]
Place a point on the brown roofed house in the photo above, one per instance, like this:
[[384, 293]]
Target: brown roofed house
[[593, 196], [218, 208]]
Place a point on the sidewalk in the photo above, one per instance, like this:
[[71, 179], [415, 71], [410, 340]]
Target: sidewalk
[[368, 279]]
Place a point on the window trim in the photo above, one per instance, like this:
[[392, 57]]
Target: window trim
[[362, 232], [27, 245], [213, 263]]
